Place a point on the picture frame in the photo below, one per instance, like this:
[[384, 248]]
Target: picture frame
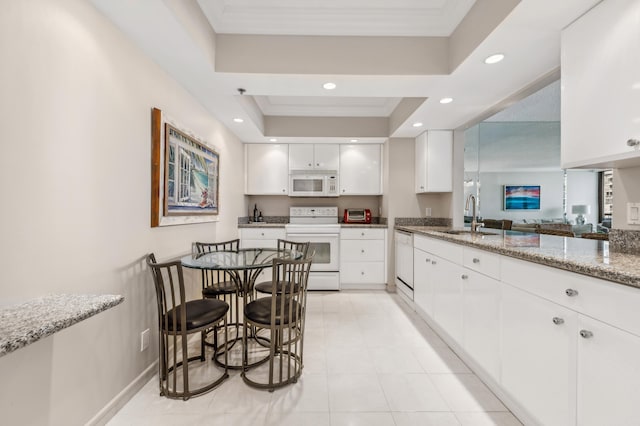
[[521, 197], [185, 175]]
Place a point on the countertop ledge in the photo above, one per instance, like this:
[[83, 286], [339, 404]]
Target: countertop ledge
[[282, 225], [36, 319], [582, 256]]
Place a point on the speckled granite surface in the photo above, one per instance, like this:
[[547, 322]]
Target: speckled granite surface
[[624, 240], [422, 221], [31, 321], [588, 257], [377, 222]]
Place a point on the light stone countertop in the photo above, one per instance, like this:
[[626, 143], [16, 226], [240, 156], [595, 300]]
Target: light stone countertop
[[582, 256], [28, 322], [282, 225]]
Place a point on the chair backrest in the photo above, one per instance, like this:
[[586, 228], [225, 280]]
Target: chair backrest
[[291, 293], [210, 277], [294, 246], [231, 245], [170, 292]]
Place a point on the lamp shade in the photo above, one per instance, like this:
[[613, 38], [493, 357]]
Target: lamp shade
[[580, 209]]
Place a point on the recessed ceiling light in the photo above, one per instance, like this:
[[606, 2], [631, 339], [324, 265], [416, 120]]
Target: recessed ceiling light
[[354, 140], [417, 124], [273, 140], [238, 120], [329, 86], [446, 100], [494, 59]]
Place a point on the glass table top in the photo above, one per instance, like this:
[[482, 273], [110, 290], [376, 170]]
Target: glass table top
[[248, 258]]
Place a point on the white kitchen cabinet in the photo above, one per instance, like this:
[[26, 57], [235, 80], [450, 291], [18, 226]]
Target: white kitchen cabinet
[[423, 281], [434, 161], [538, 355], [314, 157], [363, 258], [447, 296], [608, 377], [266, 169], [361, 169], [481, 313], [600, 96]]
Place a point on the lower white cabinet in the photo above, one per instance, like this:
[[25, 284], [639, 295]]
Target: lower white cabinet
[[262, 238], [608, 378], [563, 348], [538, 356], [363, 258], [481, 313]]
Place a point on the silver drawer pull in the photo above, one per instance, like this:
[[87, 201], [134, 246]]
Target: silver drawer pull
[[362, 250], [571, 292], [464, 276], [476, 260], [362, 273], [558, 321], [433, 262], [634, 143], [586, 334], [427, 260]]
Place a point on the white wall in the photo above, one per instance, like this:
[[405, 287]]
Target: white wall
[[582, 188], [625, 190], [75, 165]]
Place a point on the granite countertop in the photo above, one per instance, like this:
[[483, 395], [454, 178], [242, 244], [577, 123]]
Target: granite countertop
[[23, 324], [588, 257]]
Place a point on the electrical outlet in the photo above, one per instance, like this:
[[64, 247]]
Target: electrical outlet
[[144, 340], [427, 211]]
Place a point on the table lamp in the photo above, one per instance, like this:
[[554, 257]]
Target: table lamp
[[580, 210]]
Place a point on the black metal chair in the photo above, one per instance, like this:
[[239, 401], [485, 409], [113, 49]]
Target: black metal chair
[[177, 319], [283, 314], [265, 287], [221, 285]]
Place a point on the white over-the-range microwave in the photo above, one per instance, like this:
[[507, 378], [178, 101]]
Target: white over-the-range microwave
[[310, 183]]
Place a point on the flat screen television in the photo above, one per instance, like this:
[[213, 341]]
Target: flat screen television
[[522, 197]]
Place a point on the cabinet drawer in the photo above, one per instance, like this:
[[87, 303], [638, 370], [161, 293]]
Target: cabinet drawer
[[482, 261], [362, 233], [615, 304], [261, 233], [362, 272], [362, 251], [443, 249]]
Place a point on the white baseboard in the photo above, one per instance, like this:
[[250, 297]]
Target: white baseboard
[[347, 286], [120, 400]]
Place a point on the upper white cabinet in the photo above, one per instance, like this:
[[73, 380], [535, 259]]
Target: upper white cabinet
[[361, 169], [314, 157], [601, 87], [266, 169], [434, 161]]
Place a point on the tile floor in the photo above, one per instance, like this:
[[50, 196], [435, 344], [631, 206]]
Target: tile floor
[[369, 361]]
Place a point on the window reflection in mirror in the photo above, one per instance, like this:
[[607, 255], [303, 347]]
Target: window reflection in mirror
[[520, 146]]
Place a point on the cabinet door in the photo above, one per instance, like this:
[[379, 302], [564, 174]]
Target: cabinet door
[[301, 156], [447, 296], [481, 313], [266, 171], [326, 156], [538, 356], [434, 161], [600, 100], [423, 281], [608, 375], [360, 169]]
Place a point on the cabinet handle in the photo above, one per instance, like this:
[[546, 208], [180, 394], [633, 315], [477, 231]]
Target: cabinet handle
[[362, 273], [433, 262], [464, 276], [571, 292], [284, 190], [310, 164], [362, 234], [317, 164], [343, 190], [362, 250], [558, 321], [262, 234], [586, 334], [427, 260], [634, 143], [476, 260]]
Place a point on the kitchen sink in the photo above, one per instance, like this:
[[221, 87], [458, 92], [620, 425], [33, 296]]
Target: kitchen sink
[[466, 231]]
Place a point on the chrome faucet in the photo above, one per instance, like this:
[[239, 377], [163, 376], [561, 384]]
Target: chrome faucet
[[471, 200]]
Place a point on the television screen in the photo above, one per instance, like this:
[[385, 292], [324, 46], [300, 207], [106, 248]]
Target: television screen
[[522, 197]]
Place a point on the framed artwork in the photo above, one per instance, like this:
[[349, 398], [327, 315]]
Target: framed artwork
[[185, 176], [522, 197]]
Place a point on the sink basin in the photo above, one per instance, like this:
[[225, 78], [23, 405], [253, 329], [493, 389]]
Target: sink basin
[[465, 232]]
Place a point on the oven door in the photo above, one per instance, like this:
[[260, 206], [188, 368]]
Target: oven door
[[325, 248]]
